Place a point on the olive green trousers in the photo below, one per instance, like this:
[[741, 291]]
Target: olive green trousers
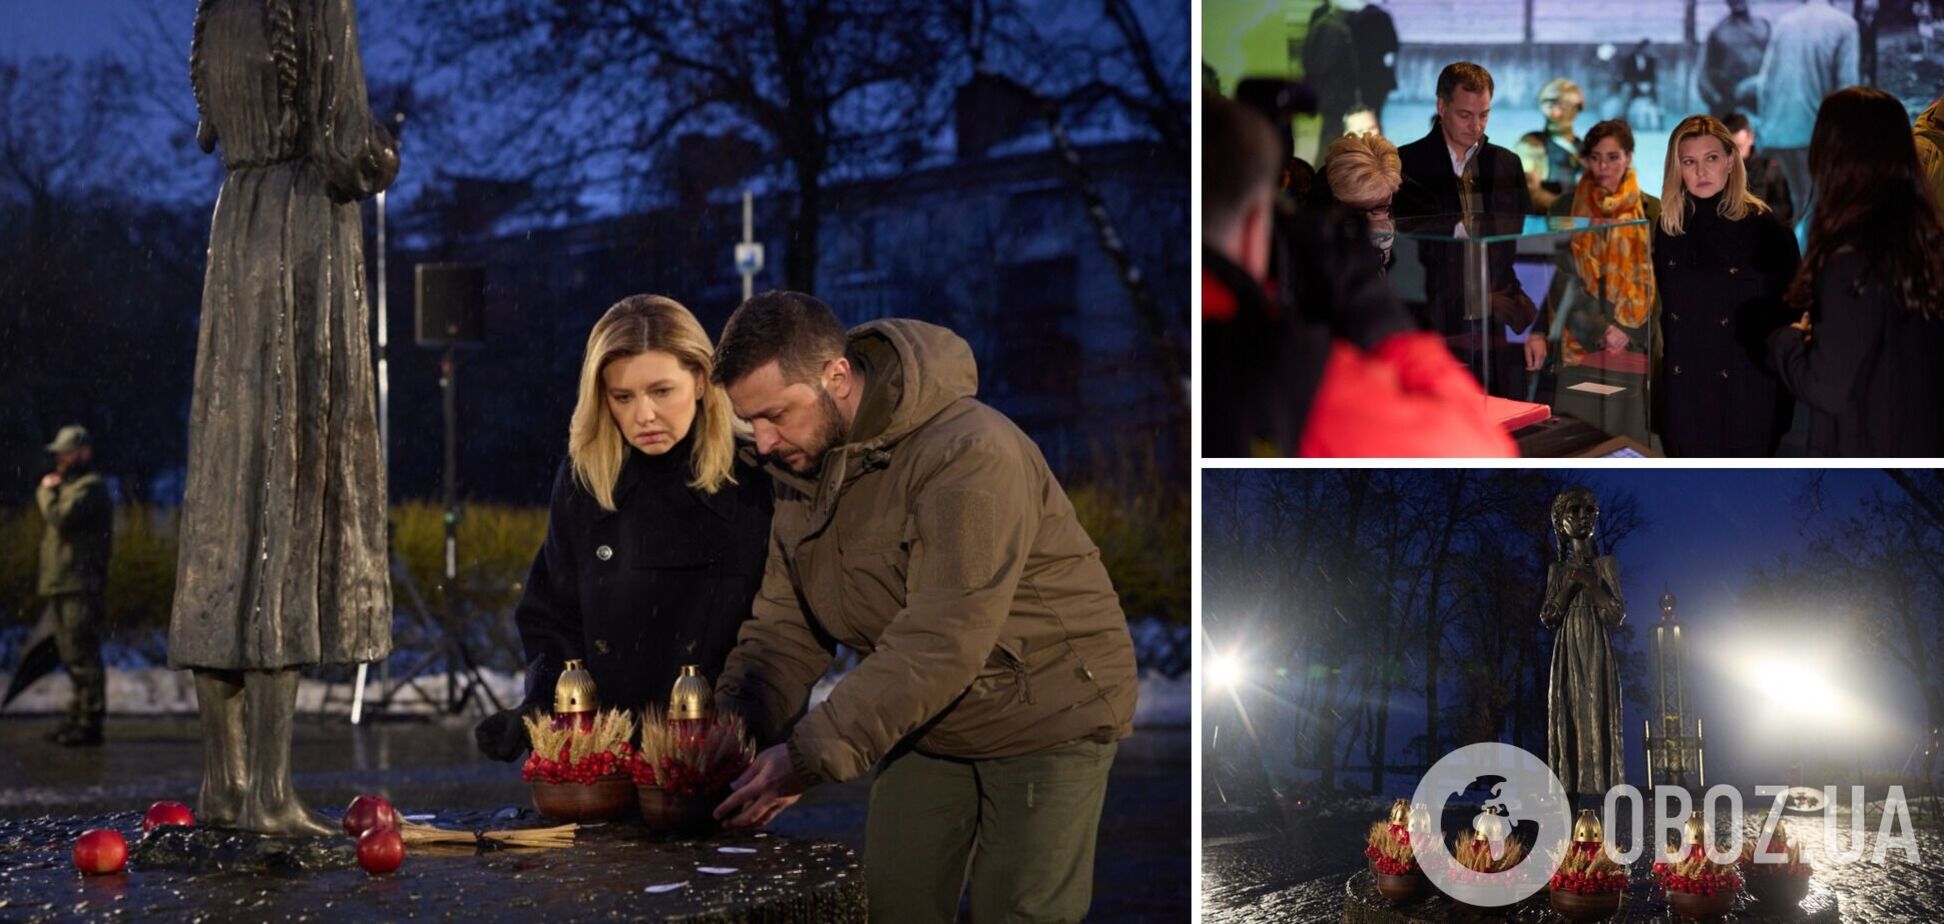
[[77, 635], [1018, 831]]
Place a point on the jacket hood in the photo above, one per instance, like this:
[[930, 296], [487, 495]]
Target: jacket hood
[[912, 370]]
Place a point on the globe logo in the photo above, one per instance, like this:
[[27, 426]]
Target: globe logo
[[1524, 800]]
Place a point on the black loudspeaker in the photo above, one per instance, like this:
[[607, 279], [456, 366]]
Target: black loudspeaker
[[451, 304]]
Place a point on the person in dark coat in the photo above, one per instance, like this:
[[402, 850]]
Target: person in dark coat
[[1766, 178], [1732, 54], [1330, 68], [658, 527], [1640, 88], [1455, 170], [1867, 355], [1720, 265], [1375, 36]]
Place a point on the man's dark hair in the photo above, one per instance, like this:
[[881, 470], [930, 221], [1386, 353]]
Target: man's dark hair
[[1736, 122], [1240, 160], [799, 332], [1463, 74]]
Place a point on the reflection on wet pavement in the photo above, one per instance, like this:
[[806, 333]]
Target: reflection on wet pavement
[[1141, 864], [1300, 875]]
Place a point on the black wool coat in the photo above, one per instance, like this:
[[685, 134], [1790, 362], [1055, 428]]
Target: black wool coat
[[1872, 373], [1430, 188], [1721, 285], [663, 580]]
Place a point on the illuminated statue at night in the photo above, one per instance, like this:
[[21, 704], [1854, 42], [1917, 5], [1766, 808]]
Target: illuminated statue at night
[[283, 560], [1583, 602]]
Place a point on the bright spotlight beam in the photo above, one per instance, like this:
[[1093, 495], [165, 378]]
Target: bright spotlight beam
[[1799, 687], [1225, 672]]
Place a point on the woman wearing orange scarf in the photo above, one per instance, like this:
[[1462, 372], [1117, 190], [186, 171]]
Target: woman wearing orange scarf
[[1603, 295]]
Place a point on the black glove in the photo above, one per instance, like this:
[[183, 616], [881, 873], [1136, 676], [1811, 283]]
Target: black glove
[[503, 735]]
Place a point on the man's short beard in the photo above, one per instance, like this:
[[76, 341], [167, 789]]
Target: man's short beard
[[831, 432]]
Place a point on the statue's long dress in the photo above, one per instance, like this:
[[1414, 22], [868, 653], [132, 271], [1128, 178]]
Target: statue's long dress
[[283, 558], [1584, 743]]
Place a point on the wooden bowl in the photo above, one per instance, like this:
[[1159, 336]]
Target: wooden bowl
[[1700, 907], [608, 797], [1776, 888], [666, 813], [1401, 888], [1575, 906]]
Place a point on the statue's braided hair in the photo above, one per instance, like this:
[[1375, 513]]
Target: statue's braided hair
[[195, 58], [283, 51], [280, 24]]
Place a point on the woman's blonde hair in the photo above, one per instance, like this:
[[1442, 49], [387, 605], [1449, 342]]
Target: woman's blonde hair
[[1736, 200], [1363, 170], [634, 326]]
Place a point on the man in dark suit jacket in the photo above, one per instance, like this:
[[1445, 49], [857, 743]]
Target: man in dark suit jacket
[[1456, 171]]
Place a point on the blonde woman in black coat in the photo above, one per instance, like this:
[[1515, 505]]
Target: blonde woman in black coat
[[658, 528], [1721, 267]]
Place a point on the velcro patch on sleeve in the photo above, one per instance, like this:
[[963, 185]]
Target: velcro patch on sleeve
[[959, 541]]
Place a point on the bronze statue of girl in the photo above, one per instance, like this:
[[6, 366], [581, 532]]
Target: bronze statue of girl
[[1583, 603], [283, 560]]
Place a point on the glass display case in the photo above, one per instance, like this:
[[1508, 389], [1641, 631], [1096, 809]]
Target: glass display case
[[1581, 287]]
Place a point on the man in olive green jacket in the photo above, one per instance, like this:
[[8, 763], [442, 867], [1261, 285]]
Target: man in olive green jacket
[[922, 529], [79, 520]]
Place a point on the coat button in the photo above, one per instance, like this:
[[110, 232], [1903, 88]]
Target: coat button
[[1673, 316], [1677, 370], [1724, 322], [1733, 270], [1724, 373], [600, 646], [604, 553]]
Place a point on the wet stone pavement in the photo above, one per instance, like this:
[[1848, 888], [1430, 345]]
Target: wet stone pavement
[[1266, 874], [807, 859], [605, 875]]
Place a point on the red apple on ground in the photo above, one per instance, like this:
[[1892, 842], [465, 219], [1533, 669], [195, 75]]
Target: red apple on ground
[[100, 851], [380, 850], [368, 812], [168, 813]]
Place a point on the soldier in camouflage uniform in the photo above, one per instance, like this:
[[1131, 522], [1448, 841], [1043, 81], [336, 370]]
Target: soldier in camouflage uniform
[[79, 519]]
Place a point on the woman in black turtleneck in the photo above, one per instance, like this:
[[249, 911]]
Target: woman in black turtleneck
[[1721, 264], [658, 529]]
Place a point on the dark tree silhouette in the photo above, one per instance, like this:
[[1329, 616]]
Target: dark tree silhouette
[[604, 86]]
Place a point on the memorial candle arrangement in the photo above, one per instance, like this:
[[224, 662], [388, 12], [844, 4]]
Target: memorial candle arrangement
[[688, 757], [1388, 846], [1697, 887], [578, 769], [1392, 861], [1784, 877], [1588, 884]]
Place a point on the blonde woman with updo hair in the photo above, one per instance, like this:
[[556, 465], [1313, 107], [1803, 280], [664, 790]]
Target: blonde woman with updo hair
[[1364, 172], [1721, 267], [658, 527]]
